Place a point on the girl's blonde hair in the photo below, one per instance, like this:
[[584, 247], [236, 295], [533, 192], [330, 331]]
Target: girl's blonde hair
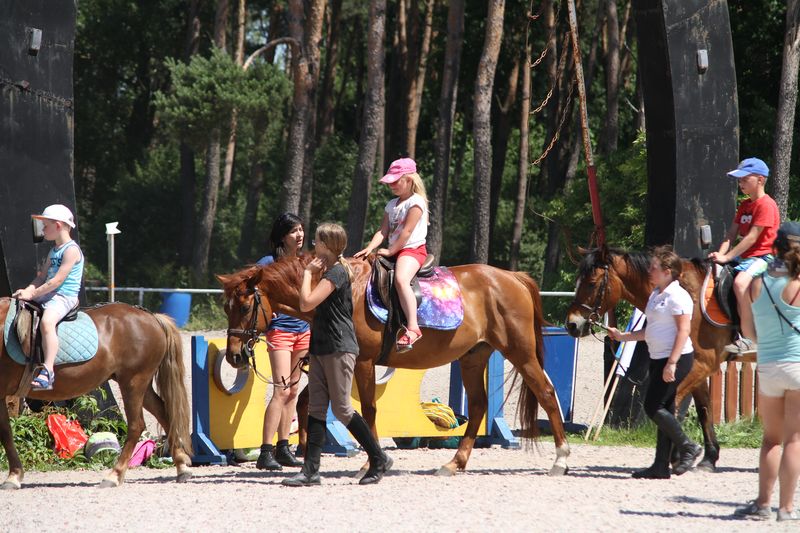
[[418, 187], [334, 237]]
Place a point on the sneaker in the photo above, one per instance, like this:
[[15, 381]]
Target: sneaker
[[741, 346], [753, 511], [787, 515]]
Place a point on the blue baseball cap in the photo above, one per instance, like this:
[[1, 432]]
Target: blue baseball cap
[[751, 165]]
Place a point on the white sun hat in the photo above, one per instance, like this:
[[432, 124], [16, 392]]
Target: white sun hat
[[57, 212]]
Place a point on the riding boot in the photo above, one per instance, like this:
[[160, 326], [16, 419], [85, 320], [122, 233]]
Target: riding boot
[[688, 450], [309, 474], [284, 455], [660, 467], [379, 462], [266, 459]]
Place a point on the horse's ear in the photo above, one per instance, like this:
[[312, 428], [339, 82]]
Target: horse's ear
[[255, 279], [582, 250], [223, 279], [603, 254]]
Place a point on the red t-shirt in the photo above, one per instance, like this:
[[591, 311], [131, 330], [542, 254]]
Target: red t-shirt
[[762, 212]]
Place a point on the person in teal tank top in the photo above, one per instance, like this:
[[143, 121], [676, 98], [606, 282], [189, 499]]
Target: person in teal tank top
[[56, 286], [775, 298]]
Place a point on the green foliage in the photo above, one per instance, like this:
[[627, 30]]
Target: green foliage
[[206, 314], [739, 434]]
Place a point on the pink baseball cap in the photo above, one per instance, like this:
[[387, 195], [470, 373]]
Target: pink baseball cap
[[398, 169]]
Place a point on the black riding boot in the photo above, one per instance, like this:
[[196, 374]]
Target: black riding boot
[[689, 451], [266, 459], [284, 455], [309, 474], [660, 467], [379, 462]]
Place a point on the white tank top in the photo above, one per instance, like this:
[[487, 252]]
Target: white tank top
[[397, 212]]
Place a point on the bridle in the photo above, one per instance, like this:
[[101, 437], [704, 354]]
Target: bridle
[[252, 336], [594, 312]]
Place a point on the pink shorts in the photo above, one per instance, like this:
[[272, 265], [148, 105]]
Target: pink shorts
[[288, 340], [420, 253]]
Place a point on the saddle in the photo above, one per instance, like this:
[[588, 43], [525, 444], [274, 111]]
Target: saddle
[[718, 300], [31, 313], [383, 280]]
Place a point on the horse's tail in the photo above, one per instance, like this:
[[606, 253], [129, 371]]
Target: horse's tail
[[528, 404], [172, 388]]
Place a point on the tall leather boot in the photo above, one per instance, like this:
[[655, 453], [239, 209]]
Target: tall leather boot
[[660, 467], [688, 450], [309, 474], [379, 462], [266, 459], [284, 455]]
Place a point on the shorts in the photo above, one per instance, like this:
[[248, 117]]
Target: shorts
[[58, 305], [755, 266], [288, 340], [777, 377], [420, 253]]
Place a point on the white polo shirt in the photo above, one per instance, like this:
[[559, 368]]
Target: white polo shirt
[[661, 310]]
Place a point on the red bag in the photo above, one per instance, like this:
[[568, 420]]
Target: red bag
[[68, 435]]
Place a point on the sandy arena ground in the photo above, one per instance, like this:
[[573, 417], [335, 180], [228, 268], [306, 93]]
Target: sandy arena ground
[[502, 490]]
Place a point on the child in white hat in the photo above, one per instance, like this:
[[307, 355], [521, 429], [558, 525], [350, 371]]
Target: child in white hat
[[56, 286]]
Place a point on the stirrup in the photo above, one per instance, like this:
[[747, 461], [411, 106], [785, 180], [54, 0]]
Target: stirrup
[[402, 346]]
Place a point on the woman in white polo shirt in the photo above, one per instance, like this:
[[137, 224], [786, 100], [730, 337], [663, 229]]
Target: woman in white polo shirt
[[669, 315]]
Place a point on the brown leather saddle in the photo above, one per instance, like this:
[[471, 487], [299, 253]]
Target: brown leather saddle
[[383, 282], [723, 292], [33, 347]]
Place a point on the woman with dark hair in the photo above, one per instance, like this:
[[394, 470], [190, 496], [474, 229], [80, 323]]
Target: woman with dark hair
[[288, 339], [775, 298], [669, 316]]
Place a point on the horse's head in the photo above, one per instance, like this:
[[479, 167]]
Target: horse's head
[[249, 313], [597, 290]]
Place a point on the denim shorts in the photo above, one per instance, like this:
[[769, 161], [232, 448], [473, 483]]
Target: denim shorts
[[755, 266]]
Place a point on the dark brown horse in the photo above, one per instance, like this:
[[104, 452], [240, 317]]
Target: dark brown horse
[[502, 312], [607, 276], [135, 346]]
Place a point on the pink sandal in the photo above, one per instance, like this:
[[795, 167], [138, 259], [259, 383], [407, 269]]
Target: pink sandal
[[405, 342]]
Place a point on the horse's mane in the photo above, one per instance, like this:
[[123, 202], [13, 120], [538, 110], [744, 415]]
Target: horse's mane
[[638, 262]]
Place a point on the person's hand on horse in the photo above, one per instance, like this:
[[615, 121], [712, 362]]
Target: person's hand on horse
[[719, 258], [23, 294], [316, 265], [362, 254]]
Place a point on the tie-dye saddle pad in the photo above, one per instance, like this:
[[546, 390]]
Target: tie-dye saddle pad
[[441, 306]]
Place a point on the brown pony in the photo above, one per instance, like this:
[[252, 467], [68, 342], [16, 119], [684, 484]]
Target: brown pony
[[135, 346], [502, 311], [606, 276]]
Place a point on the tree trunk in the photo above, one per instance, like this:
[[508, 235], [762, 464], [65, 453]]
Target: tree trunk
[[208, 212], [188, 177], [482, 131], [416, 89], [296, 142], [238, 57], [277, 28], [549, 9], [245, 247], [372, 121], [612, 78], [787, 100], [522, 169], [326, 94], [444, 126], [397, 86], [311, 50]]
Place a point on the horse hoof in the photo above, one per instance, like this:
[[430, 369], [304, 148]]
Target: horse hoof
[[444, 472], [705, 466], [107, 484], [183, 477], [558, 470], [10, 485]]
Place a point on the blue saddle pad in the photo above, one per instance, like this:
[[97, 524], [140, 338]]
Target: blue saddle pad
[[77, 339], [441, 306]]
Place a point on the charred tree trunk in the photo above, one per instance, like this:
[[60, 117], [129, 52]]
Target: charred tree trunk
[[787, 101], [372, 121], [522, 169], [444, 128], [482, 131]]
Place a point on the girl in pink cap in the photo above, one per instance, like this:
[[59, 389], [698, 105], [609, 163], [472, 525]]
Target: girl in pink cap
[[405, 224]]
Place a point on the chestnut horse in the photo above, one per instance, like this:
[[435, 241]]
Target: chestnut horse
[[502, 311], [135, 346], [606, 276]]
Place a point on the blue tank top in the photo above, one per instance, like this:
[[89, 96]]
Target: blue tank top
[[71, 285], [282, 322], [777, 341]]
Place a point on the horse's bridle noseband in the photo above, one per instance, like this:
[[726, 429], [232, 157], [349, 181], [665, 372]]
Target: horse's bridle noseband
[[594, 312]]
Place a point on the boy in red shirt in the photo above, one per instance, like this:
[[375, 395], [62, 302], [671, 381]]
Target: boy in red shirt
[[756, 224]]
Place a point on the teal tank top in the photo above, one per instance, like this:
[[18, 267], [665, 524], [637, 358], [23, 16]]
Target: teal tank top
[[777, 341], [71, 285]]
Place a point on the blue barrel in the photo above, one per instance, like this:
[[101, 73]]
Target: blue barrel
[[177, 305], [560, 363]]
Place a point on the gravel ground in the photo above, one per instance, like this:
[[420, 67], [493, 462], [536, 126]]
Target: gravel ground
[[501, 490]]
